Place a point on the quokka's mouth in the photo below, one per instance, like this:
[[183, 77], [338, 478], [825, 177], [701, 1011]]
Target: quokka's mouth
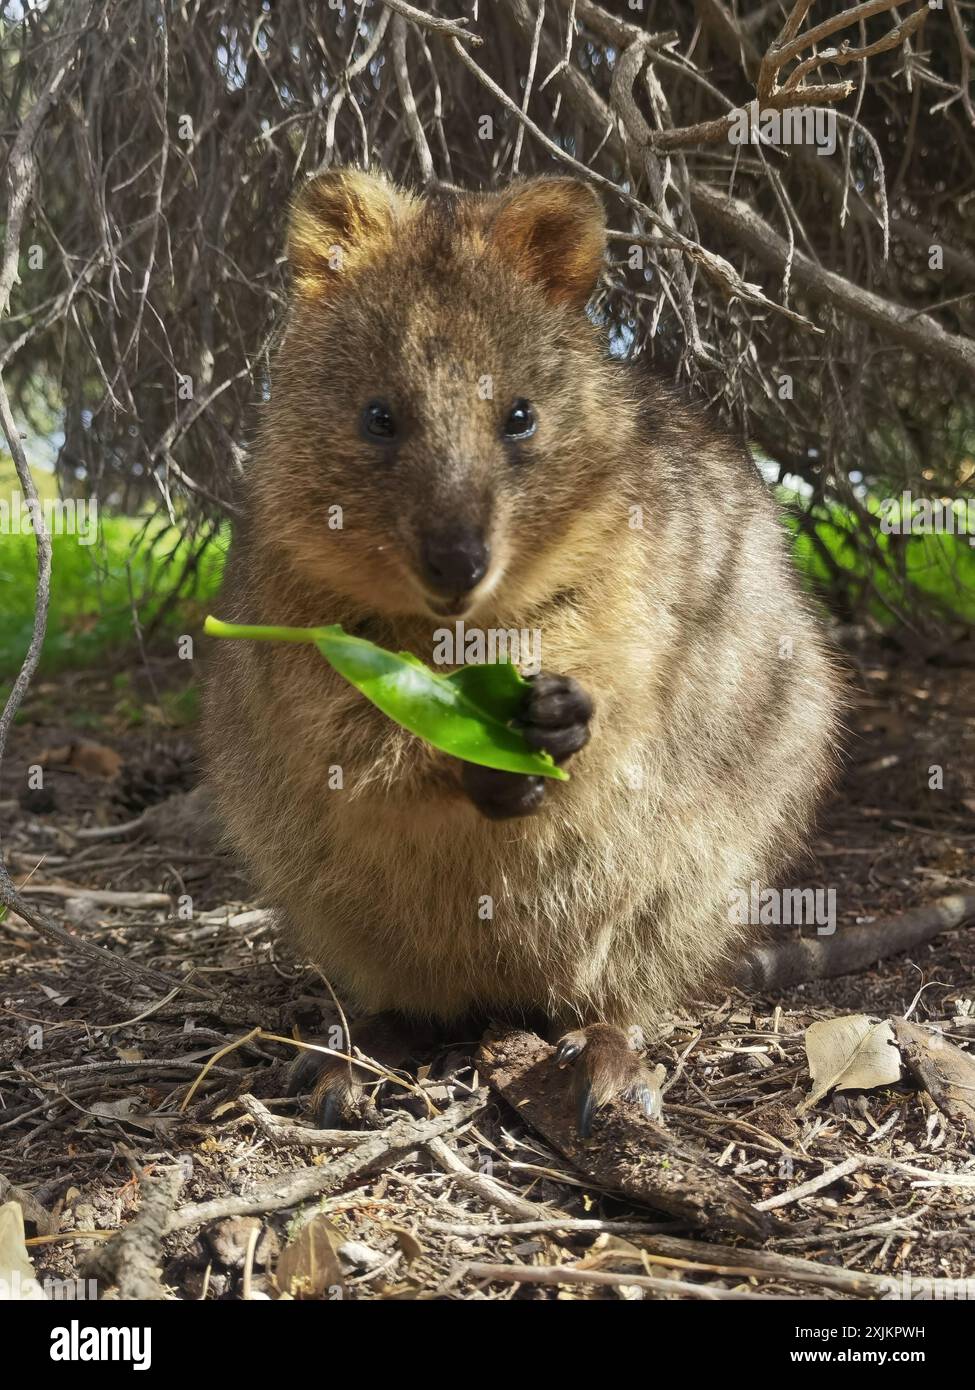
[[451, 608], [460, 605]]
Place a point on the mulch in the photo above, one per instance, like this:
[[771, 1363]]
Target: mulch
[[164, 1115]]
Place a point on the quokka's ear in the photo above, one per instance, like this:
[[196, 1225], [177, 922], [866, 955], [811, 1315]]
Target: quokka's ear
[[554, 231], [339, 220]]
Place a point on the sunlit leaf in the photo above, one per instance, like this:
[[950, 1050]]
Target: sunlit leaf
[[467, 714]]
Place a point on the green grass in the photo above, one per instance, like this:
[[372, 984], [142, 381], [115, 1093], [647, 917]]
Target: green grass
[[90, 618], [935, 570]]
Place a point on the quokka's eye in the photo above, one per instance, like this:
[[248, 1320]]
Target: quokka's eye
[[520, 422], [377, 422]]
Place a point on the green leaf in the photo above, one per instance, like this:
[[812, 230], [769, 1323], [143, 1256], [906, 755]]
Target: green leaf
[[496, 688], [465, 714]]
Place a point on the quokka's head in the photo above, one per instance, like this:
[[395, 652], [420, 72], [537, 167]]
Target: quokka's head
[[443, 419]]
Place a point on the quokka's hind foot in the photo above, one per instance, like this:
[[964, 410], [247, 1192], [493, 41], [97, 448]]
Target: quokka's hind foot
[[344, 1095], [608, 1065]]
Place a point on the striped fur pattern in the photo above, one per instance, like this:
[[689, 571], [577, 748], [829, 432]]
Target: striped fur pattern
[[716, 702]]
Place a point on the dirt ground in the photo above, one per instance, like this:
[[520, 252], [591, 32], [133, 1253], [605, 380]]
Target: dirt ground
[[110, 1084]]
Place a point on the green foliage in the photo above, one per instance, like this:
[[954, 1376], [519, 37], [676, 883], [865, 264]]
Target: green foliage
[[90, 621], [933, 573]]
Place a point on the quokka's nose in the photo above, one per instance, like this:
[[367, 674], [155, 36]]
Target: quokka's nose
[[454, 561]]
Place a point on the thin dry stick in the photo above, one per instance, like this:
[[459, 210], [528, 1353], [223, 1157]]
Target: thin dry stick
[[401, 69], [434, 23], [285, 1132], [376, 1151], [486, 1187], [20, 166], [724, 1259], [568, 1274], [132, 1259], [529, 81], [98, 897], [924, 1177], [551, 1226]]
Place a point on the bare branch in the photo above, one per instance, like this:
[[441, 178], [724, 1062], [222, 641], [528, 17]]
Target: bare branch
[[918, 331], [453, 27], [413, 122]]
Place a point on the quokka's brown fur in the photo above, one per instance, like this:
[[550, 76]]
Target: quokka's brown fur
[[715, 701]]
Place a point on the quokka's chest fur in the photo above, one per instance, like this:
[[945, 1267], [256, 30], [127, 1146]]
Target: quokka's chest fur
[[613, 901]]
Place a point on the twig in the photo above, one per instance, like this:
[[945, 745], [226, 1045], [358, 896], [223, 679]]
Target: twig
[[376, 1151], [20, 166], [723, 1259], [111, 832], [924, 1177], [132, 1259], [552, 1226], [285, 1132], [434, 23], [78, 945], [401, 70], [98, 897], [486, 1187], [568, 1274], [790, 43]]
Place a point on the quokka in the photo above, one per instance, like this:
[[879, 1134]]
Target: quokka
[[447, 437]]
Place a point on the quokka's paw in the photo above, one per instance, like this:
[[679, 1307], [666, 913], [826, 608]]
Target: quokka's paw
[[501, 795], [556, 715], [341, 1094], [608, 1066], [336, 1093], [554, 719]]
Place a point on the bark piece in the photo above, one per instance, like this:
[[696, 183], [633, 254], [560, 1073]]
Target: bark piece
[[945, 1071], [628, 1154]]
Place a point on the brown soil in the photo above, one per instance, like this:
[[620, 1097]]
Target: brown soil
[[102, 1084]]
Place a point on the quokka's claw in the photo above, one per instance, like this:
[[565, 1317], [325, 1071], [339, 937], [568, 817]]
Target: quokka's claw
[[342, 1102], [570, 1046], [607, 1067], [585, 1108]]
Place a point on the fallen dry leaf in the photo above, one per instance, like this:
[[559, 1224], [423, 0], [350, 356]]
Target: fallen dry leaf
[[86, 758], [853, 1053], [309, 1265]]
